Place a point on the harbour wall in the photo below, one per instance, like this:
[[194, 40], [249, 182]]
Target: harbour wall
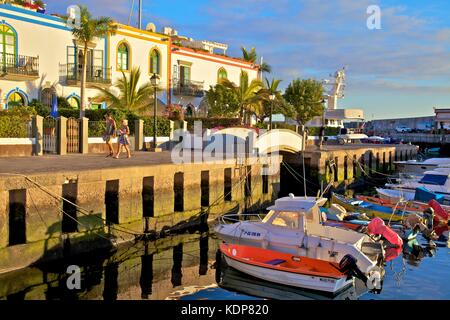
[[103, 208], [344, 165]]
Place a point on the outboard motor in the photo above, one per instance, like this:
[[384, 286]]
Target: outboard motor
[[348, 265], [377, 227], [373, 282]]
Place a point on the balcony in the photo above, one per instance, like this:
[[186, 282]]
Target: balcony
[[188, 88], [19, 67], [71, 74]]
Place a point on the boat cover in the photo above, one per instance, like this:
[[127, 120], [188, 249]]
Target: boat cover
[[434, 179], [424, 195]]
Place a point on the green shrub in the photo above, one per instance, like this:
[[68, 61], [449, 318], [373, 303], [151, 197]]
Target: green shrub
[[40, 108], [13, 126], [280, 125], [96, 128], [329, 131], [209, 123], [261, 125], [162, 126]]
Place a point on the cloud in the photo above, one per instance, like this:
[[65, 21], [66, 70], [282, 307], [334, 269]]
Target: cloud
[[308, 38]]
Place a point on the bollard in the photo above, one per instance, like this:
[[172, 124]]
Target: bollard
[[61, 136], [38, 135], [138, 135], [84, 135]]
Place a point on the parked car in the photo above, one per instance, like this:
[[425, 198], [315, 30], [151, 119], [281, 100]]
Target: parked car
[[403, 129]]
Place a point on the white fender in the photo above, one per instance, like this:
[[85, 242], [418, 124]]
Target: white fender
[[374, 278]]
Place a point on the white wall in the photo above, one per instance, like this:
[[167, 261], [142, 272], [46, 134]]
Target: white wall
[[205, 68], [141, 43], [49, 42]]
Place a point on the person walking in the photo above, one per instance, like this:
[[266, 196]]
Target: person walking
[[110, 133], [123, 139]]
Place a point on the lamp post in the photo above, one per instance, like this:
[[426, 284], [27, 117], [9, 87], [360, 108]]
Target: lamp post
[[154, 81], [272, 99]]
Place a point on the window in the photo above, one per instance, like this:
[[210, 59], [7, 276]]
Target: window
[[16, 99], [74, 102], [8, 42], [155, 62], [123, 57], [221, 74], [185, 74], [286, 219]]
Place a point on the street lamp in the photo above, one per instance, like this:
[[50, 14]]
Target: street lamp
[[154, 82], [272, 99]]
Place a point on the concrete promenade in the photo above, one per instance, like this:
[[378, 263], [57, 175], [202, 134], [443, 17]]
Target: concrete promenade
[[79, 162]]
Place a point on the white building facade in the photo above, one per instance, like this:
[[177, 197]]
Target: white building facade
[[39, 58]]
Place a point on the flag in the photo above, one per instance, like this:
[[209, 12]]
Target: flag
[[54, 112]]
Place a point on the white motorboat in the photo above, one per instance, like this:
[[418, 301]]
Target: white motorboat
[[287, 269], [395, 196], [437, 181], [414, 166], [294, 225]]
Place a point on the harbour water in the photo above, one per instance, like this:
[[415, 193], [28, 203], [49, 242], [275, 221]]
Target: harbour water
[[183, 267]]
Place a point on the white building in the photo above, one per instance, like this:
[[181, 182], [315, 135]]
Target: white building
[[40, 58]]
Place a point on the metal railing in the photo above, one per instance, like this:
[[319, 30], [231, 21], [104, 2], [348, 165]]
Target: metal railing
[[19, 65], [94, 74], [188, 88]]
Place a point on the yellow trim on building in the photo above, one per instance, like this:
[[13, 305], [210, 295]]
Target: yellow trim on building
[[154, 34], [169, 72], [124, 41], [108, 51], [141, 37]]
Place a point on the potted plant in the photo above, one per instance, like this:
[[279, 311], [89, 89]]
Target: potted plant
[[175, 112]]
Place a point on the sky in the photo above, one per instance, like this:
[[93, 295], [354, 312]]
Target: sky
[[401, 70]]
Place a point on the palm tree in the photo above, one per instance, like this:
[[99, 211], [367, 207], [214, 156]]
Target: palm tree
[[249, 56], [278, 105], [249, 95], [252, 56], [129, 96], [89, 29]]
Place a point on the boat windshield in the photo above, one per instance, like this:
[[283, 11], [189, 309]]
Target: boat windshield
[[286, 219], [268, 217]]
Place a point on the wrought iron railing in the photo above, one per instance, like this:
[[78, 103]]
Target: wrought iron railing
[[188, 88], [19, 65], [94, 74]]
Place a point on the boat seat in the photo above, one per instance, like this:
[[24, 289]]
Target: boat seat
[[275, 262]]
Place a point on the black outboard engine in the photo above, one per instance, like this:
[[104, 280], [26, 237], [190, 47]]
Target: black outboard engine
[[348, 265]]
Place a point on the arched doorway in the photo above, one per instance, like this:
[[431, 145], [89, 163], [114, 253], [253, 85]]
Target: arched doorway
[[16, 98], [74, 102], [47, 96]]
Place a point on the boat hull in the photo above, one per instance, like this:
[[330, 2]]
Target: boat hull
[[317, 283], [315, 247]]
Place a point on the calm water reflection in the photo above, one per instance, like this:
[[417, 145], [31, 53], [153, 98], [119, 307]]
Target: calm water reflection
[[181, 267]]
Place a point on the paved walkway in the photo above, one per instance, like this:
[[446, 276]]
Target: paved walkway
[[55, 163]]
